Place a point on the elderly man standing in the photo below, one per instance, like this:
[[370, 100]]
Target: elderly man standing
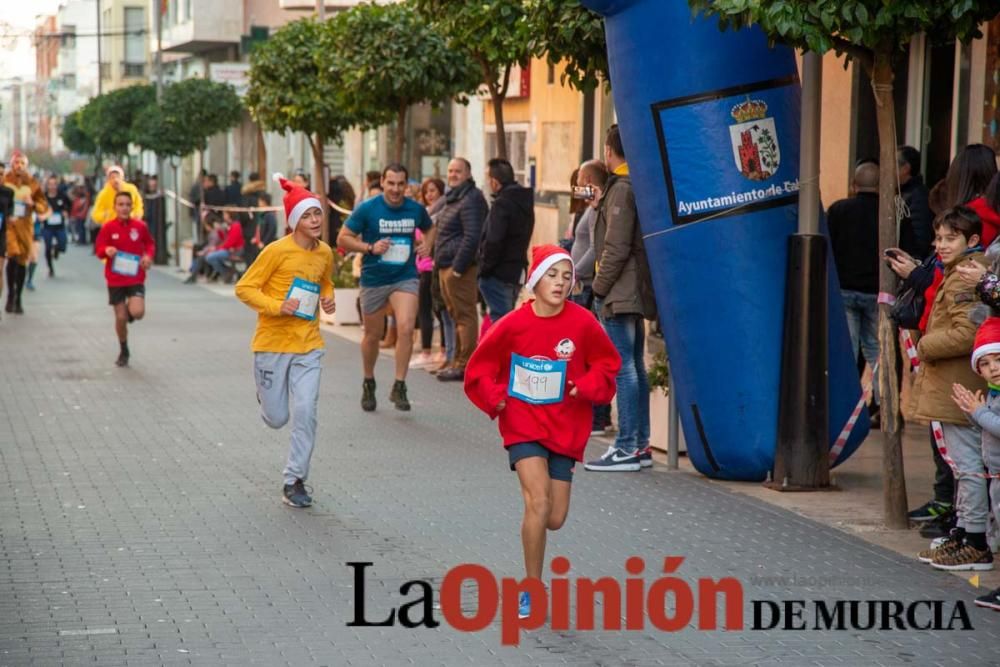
[[460, 226]]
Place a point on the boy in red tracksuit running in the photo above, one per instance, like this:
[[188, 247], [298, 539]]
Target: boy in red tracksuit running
[[541, 369], [128, 248]]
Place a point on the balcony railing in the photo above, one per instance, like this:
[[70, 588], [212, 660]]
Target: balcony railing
[[133, 69]]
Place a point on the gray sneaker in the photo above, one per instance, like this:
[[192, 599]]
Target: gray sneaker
[[295, 495], [368, 395], [398, 396]]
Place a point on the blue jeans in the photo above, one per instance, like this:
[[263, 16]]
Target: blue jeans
[[498, 295], [862, 322], [217, 260], [628, 334], [448, 333]]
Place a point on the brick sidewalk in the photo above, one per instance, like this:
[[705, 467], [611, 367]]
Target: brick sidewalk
[[140, 520]]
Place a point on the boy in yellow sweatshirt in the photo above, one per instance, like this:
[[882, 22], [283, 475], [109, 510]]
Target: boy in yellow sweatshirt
[[285, 285]]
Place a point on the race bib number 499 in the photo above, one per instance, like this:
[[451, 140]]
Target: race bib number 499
[[537, 381]]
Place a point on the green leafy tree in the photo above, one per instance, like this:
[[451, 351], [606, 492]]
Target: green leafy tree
[[494, 34], [108, 118], [566, 31], [75, 138], [191, 111], [871, 33], [296, 86], [391, 59]]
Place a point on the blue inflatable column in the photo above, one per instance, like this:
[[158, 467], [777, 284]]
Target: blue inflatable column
[[710, 126]]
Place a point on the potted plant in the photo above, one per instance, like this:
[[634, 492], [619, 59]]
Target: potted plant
[[345, 291]]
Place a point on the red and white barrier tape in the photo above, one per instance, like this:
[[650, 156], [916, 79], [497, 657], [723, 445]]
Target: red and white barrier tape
[[910, 347], [885, 297], [247, 209], [942, 448], [845, 433]]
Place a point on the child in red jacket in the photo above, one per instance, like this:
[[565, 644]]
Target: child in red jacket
[[128, 247], [541, 369]]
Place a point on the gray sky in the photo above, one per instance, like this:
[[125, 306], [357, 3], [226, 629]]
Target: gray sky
[[21, 17]]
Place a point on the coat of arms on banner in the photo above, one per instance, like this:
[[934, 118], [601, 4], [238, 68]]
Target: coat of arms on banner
[[755, 140]]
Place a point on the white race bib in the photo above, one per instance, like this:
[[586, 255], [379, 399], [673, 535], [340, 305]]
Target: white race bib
[[55, 218], [308, 295], [399, 252], [125, 264], [20, 209], [537, 381]]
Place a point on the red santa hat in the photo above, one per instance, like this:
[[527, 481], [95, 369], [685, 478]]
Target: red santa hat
[[18, 154], [298, 200], [987, 341], [543, 258]]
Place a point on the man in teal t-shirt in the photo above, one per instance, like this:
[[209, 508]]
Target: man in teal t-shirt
[[383, 229]]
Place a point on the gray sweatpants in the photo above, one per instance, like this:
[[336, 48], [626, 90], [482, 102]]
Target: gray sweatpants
[[965, 445], [284, 379]]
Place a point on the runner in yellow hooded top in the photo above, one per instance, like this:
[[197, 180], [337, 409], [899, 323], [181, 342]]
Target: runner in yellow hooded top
[[104, 205]]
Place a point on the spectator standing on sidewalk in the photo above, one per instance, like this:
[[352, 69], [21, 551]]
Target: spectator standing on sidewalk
[[459, 230], [234, 190], [853, 224], [591, 179], [944, 352], [623, 299], [503, 250], [289, 280], [916, 233]]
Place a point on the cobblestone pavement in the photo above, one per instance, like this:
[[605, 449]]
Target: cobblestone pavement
[[140, 520]]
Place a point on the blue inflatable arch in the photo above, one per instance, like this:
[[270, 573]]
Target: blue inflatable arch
[[710, 126]]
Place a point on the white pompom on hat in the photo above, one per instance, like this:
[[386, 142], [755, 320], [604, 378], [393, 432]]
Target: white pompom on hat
[[115, 167], [543, 258], [297, 200]]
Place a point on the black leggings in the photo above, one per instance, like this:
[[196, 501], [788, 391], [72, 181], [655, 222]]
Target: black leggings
[[425, 312], [16, 273]]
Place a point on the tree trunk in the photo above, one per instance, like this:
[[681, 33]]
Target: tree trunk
[[497, 99], [262, 155], [319, 183], [400, 132], [894, 491]]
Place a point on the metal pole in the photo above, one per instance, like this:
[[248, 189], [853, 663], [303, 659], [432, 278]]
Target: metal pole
[[321, 9], [812, 86], [673, 423], [100, 73], [177, 212], [161, 208]]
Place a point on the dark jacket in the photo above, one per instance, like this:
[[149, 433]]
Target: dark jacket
[[916, 232], [623, 280], [6, 209], [213, 196], [503, 251], [853, 224], [234, 196], [460, 227]]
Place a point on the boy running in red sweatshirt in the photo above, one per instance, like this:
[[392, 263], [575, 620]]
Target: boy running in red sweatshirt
[[129, 248], [541, 369]]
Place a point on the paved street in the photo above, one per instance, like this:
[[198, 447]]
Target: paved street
[[140, 520]]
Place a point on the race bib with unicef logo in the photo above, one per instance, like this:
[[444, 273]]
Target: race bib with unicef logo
[[125, 264], [20, 209], [537, 381], [55, 218], [399, 252], [307, 292]]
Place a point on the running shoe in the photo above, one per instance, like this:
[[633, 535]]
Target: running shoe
[[122, 360], [368, 401], [398, 396], [524, 605], [646, 457], [295, 495], [952, 542], [615, 460], [929, 511], [990, 600], [967, 557]]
